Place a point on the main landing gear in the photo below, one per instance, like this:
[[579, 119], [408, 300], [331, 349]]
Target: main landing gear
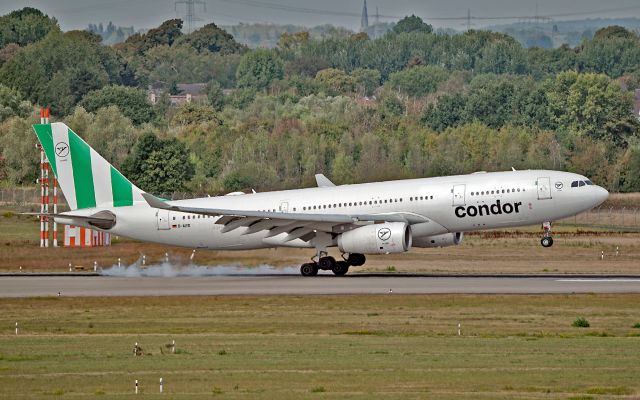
[[547, 240], [328, 263]]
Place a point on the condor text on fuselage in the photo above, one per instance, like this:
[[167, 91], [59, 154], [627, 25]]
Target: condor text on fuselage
[[485, 209]]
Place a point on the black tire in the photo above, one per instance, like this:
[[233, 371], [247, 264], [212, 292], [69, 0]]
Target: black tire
[[327, 263], [356, 259], [309, 269], [340, 268], [546, 242]]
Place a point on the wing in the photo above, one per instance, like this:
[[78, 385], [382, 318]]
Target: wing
[[296, 225]]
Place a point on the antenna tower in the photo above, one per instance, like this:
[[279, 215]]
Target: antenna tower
[[190, 15]]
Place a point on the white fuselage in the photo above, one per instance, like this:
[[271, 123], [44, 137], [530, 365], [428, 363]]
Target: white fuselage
[[438, 205]]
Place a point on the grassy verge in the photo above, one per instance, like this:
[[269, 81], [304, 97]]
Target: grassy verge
[[323, 347]]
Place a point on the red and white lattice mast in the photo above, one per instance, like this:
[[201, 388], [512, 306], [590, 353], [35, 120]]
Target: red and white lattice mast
[[44, 192]]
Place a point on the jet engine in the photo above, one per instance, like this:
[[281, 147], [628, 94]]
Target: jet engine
[[390, 237], [444, 240]]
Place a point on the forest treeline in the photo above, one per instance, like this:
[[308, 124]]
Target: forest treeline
[[411, 103]]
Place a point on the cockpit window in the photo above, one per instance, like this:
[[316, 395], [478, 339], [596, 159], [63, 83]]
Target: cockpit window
[[581, 183]]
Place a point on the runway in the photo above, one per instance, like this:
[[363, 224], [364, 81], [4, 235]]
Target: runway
[[71, 286]]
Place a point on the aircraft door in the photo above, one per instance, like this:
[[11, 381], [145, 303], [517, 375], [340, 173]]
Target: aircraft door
[[163, 219], [544, 188], [458, 195], [284, 207]]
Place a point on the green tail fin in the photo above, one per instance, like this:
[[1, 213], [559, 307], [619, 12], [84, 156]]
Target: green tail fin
[[87, 180]]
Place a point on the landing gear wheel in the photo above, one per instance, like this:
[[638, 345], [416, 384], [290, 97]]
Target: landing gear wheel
[[356, 259], [309, 269], [340, 268], [326, 263], [546, 241]]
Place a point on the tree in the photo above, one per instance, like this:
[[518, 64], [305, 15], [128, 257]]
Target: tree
[[159, 166], [167, 33], [212, 38], [613, 31], [20, 158], [335, 81], [25, 26], [412, 24], [592, 105], [447, 113], [61, 68], [292, 41], [366, 81], [419, 80], [132, 102], [215, 97], [305, 65], [192, 113], [258, 68], [12, 104]]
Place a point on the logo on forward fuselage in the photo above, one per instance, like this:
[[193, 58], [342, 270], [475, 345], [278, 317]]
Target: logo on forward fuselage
[[496, 208]]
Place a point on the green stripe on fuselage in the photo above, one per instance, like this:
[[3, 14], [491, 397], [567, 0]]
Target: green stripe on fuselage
[[43, 131], [82, 172], [122, 189]]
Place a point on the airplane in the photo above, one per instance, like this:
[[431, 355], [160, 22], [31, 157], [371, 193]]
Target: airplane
[[358, 219]]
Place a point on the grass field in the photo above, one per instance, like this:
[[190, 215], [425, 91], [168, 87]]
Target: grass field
[[291, 347]]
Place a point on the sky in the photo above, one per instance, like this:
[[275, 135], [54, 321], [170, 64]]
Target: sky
[[144, 14]]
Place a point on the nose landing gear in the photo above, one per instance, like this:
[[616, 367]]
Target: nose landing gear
[[547, 240], [328, 263]]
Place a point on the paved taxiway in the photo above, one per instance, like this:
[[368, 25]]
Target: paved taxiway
[[32, 286]]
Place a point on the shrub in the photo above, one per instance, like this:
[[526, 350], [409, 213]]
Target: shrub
[[581, 322], [636, 325]]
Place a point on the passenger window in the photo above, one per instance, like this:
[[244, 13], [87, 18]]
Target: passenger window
[[431, 197]]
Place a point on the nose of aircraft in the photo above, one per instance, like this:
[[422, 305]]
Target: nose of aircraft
[[600, 194]]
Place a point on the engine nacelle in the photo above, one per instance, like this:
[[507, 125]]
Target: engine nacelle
[[444, 240], [390, 237]]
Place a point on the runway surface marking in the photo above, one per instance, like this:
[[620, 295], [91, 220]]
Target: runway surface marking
[[594, 280], [39, 286]]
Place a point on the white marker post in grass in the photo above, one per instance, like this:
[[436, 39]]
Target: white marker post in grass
[[602, 255], [459, 331], [69, 267], [119, 262], [136, 386], [95, 266], [160, 385], [144, 259], [16, 328], [173, 346], [166, 258], [617, 252], [193, 254]]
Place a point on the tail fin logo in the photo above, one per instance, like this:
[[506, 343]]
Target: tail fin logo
[[62, 149]]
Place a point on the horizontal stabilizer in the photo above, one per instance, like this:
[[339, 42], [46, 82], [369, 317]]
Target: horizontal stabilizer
[[102, 219]]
